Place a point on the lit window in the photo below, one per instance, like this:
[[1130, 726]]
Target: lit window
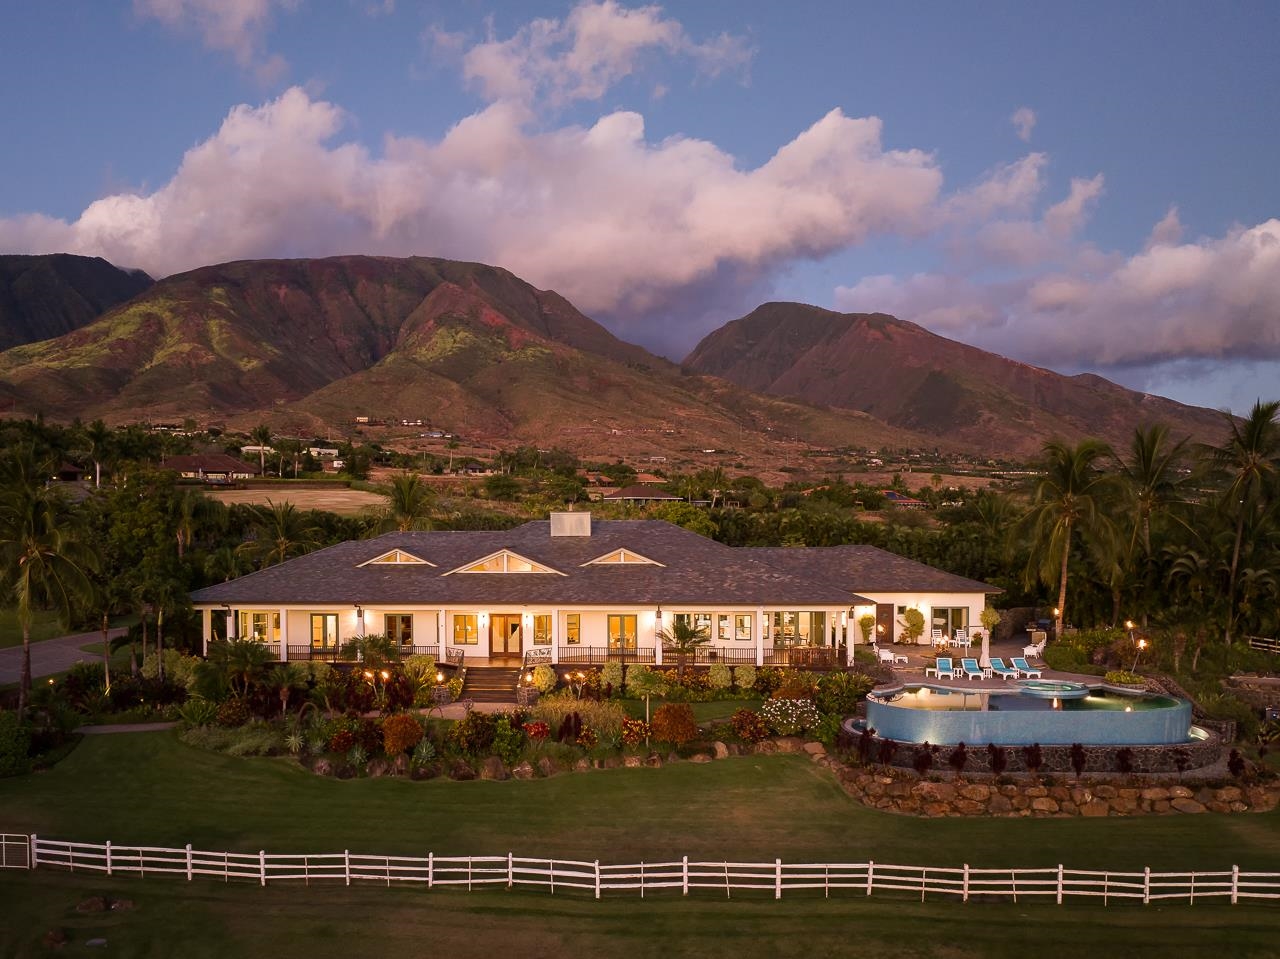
[[466, 632], [573, 628]]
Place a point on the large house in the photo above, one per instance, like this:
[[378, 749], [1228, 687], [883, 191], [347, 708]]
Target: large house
[[210, 467], [571, 589]]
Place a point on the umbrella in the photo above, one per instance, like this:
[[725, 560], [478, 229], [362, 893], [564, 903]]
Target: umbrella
[[985, 659]]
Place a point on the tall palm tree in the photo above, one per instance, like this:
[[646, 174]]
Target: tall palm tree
[[1249, 460], [281, 532], [261, 436], [410, 504], [43, 558], [99, 437], [1068, 502], [1152, 481]]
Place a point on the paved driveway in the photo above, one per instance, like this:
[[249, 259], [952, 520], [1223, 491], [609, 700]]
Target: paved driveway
[[52, 655]]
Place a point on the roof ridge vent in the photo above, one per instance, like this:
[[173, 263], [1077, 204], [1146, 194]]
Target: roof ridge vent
[[570, 524]]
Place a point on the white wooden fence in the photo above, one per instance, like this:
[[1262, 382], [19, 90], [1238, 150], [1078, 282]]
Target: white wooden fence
[[563, 875]]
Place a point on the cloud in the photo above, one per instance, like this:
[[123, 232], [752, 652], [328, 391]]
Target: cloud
[[582, 56], [278, 180], [1024, 121], [1212, 300], [237, 27]]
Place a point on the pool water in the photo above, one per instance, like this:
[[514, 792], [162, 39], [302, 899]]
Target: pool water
[[932, 697]]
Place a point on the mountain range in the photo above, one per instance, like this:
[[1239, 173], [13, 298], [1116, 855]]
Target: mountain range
[[309, 345]]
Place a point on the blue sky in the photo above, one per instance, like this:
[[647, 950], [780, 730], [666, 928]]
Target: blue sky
[[1088, 187]]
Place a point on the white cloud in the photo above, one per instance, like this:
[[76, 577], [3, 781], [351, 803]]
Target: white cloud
[[237, 27], [276, 180], [1024, 121], [594, 47]]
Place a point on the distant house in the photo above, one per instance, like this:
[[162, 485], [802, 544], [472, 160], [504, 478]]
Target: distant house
[[257, 450], [641, 493], [902, 501], [210, 468], [69, 473], [322, 452]]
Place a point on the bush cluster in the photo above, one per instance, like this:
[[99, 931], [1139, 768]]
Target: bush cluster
[[674, 723]]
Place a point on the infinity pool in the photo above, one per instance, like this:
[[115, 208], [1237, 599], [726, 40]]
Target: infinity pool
[[1046, 713]]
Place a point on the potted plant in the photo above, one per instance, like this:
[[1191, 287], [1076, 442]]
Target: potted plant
[[866, 623], [990, 618], [912, 624]]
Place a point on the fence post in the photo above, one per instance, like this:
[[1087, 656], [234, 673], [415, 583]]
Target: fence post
[[262, 867], [510, 874], [431, 870], [1146, 886], [965, 897], [871, 868], [109, 858], [642, 879], [346, 865], [684, 881], [1235, 883], [777, 879], [551, 864], [188, 862], [1059, 884], [32, 858], [597, 878]]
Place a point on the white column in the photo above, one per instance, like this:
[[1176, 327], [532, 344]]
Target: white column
[[440, 636], [284, 635], [231, 624], [206, 630], [657, 639], [555, 635], [759, 631]]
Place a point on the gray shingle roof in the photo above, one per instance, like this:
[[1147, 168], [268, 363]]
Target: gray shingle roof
[[695, 571], [868, 569]]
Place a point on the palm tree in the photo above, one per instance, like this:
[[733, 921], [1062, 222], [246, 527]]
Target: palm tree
[[1250, 459], [261, 436], [99, 437], [684, 639], [242, 661], [1152, 480], [43, 559], [280, 532], [410, 504], [1068, 501]]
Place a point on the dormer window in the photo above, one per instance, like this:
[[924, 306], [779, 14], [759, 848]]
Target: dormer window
[[622, 557], [396, 557], [503, 561]]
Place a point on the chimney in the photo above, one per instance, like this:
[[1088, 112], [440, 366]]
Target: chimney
[[570, 524]]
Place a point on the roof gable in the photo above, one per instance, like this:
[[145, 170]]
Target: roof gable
[[396, 557], [622, 557], [504, 561]]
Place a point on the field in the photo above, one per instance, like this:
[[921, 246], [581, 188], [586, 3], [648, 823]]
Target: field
[[346, 502], [44, 625], [151, 788]]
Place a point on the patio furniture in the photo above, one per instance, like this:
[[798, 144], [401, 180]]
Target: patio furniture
[[1035, 650], [1027, 671], [1000, 669], [961, 638], [941, 668], [939, 638], [890, 657], [971, 669]]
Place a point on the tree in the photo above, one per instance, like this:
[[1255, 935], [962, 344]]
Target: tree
[[410, 504], [99, 437], [1068, 501], [241, 661], [261, 436], [43, 558], [1249, 460], [684, 639], [280, 532]]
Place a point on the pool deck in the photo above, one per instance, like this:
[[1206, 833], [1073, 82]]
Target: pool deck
[[920, 657]]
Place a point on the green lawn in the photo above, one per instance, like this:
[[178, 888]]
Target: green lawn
[[152, 789], [202, 919], [44, 625]]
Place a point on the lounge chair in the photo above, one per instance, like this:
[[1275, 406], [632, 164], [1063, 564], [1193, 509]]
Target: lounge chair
[[1000, 669], [942, 669], [1028, 671], [971, 668]]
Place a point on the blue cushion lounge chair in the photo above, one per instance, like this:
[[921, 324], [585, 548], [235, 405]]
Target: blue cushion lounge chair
[[971, 668], [1021, 665], [1000, 669], [942, 669]]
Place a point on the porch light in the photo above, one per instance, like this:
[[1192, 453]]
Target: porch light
[[385, 675], [439, 678], [368, 674], [359, 612]]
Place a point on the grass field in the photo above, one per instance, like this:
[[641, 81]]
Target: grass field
[[150, 788], [345, 502], [44, 625]]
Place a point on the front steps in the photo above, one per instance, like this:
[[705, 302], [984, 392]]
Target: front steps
[[490, 684]]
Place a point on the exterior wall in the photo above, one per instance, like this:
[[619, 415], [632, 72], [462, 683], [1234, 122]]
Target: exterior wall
[[925, 602]]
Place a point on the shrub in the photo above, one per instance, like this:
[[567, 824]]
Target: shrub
[[234, 712], [999, 759], [15, 742], [922, 761], [604, 717], [720, 676], [787, 717], [768, 678], [544, 677], [674, 723], [198, 712], [537, 731], [255, 739], [611, 676], [829, 729], [958, 758], [423, 753], [634, 732], [1033, 756], [473, 734], [400, 734], [745, 677], [1123, 677], [341, 741], [587, 738], [455, 687], [179, 668], [749, 726], [1124, 760], [1235, 763], [357, 756], [508, 740], [421, 669], [841, 692]]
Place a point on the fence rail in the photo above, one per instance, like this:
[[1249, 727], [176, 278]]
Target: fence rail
[[562, 875]]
